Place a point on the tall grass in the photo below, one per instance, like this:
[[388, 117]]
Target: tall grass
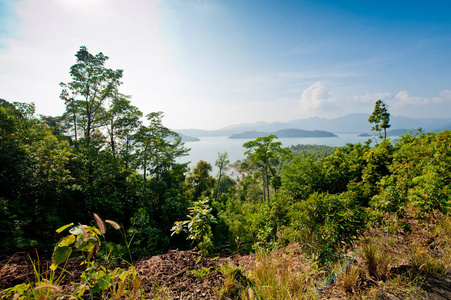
[[283, 275]]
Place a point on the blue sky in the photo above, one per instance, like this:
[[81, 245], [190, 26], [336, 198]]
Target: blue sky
[[212, 63]]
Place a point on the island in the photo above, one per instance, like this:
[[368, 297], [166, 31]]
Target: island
[[187, 138], [284, 133]]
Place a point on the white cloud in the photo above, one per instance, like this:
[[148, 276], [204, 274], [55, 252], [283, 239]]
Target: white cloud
[[445, 96], [371, 98], [315, 98], [416, 106], [403, 98]]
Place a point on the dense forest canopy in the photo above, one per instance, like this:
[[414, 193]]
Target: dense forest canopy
[[99, 157]]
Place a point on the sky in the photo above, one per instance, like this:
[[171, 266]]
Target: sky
[[208, 64]]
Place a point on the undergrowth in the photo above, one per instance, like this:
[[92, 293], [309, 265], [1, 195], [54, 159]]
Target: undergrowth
[[389, 261]]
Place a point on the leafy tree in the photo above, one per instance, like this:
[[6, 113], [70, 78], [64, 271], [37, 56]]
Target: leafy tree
[[302, 177], [318, 151], [146, 239], [200, 181], [420, 175], [33, 176], [223, 165], [263, 153], [92, 84], [157, 147], [380, 118], [123, 120]]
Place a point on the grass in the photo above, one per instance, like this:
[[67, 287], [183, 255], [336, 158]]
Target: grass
[[282, 274], [46, 285], [390, 262]]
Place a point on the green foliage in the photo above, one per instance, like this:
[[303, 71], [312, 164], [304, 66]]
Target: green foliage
[[243, 222], [33, 174], [199, 181], [82, 238], [157, 147], [117, 283], [318, 151], [419, 174], [198, 225], [85, 96], [263, 154], [380, 118], [223, 165], [145, 239], [201, 273], [324, 218]]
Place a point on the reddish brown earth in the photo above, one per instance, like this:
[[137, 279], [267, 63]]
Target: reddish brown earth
[[171, 275]]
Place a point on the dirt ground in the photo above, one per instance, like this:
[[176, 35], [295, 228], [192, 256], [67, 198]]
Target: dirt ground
[[175, 275], [171, 275]]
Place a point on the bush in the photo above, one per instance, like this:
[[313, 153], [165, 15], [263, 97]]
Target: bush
[[325, 219]]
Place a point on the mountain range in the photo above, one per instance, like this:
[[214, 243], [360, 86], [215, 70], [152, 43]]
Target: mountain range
[[351, 123]]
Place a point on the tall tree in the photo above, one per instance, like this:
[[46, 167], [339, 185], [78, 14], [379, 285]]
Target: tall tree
[[33, 174], [92, 83], [380, 118], [223, 165], [200, 181], [157, 147], [123, 120], [263, 152]]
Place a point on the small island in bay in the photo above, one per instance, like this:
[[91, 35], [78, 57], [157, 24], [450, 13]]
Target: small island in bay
[[364, 134], [284, 133], [187, 138]]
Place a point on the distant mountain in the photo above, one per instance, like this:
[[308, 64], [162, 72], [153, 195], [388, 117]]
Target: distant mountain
[[284, 133], [351, 123], [187, 138], [203, 133]]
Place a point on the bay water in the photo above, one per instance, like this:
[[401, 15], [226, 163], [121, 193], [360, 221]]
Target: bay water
[[208, 148]]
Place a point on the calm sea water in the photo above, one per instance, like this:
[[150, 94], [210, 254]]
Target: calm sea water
[[208, 148]]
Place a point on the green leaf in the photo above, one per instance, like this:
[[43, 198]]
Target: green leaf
[[80, 244], [68, 240], [61, 254], [104, 282], [61, 229]]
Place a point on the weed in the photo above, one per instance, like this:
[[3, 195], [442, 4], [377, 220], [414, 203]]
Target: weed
[[201, 273], [282, 276], [45, 286], [426, 264], [377, 259], [234, 282], [350, 279]]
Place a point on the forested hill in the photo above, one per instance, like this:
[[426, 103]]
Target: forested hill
[[284, 133], [351, 123]]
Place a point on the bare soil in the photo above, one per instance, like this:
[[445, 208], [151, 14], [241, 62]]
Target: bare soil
[[172, 275]]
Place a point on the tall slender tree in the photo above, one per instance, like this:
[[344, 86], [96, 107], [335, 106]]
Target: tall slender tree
[[263, 152], [223, 165], [123, 121], [157, 147], [380, 118], [92, 83]]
